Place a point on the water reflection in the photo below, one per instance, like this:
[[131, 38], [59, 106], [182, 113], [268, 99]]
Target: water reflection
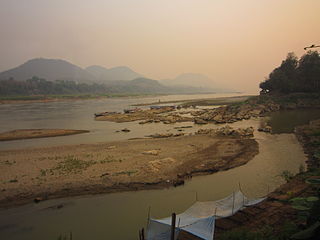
[[286, 121]]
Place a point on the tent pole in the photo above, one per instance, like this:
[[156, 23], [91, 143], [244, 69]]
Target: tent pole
[[240, 187], [142, 234], [232, 202], [173, 225], [215, 215], [148, 220]]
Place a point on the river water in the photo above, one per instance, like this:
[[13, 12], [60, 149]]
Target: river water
[[80, 115], [120, 215]]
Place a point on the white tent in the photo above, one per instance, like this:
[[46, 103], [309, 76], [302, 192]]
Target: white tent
[[199, 219]]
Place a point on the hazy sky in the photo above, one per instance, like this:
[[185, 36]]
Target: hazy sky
[[237, 42]]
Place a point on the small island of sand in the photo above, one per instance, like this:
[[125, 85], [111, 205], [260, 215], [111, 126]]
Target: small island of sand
[[37, 133]]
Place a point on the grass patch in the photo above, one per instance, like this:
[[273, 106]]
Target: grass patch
[[73, 165], [315, 133], [129, 173], [109, 159], [7, 162], [265, 233], [286, 175]]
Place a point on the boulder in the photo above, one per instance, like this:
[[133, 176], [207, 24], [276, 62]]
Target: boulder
[[266, 129], [200, 121], [152, 152]]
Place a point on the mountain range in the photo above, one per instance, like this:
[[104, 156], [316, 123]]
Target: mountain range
[[122, 73], [57, 69], [116, 78]]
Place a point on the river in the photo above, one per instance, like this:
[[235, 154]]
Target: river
[[120, 215], [80, 115]]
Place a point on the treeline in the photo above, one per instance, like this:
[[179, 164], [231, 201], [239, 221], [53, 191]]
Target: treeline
[[295, 75], [40, 86]]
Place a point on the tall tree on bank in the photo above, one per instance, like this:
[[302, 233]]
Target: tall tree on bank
[[309, 72], [295, 75]]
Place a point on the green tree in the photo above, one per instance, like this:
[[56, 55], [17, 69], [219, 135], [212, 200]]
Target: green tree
[[309, 71]]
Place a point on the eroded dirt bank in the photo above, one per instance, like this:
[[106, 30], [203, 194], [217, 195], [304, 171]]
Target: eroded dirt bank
[[46, 173]]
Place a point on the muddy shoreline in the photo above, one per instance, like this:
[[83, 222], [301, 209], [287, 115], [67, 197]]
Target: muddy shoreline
[[117, 171]]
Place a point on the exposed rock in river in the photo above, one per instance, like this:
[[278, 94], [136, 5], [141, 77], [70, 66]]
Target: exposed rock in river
[[228, 131]]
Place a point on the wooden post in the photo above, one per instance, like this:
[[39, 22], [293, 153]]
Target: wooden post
[[173, 225]]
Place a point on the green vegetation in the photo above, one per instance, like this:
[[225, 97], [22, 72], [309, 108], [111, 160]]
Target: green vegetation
[[65, 236], [266, 233], [7, 162], [39, 86], [287, 175], [295, 75], [129, 173], [72, 165], [40, 89]]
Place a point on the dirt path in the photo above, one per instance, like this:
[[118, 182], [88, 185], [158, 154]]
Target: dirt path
[[117, 166]]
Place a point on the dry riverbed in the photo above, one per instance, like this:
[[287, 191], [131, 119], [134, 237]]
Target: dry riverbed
[[61, 171]]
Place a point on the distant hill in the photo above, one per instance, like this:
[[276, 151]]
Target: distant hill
[[122, 73], [57, 69], [195, 80], [42, 74], [49, 69]]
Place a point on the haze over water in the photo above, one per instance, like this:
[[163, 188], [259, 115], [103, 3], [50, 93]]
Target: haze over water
[[236, 43]]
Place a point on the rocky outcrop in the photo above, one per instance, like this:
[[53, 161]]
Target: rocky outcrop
[[165, 135], [228, 131], [266, 129], [233, 113], [200, 121]]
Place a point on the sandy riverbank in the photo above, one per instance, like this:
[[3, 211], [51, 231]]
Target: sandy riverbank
[[118, 166], [37, 133]]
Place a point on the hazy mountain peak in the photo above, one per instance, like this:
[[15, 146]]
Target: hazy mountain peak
[[113, 74], [196, 80], [190, 79], [50, 69], [96, 68], [58, 69]]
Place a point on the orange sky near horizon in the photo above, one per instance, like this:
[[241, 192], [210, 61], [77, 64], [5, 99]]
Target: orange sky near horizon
[[237, 43]]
